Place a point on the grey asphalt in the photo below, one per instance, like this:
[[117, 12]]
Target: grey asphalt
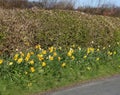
[[108, 86]]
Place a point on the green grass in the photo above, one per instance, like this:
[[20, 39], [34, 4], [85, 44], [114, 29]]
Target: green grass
[[72, 67]]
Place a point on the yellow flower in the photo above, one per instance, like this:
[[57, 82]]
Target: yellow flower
[[90, 50], [114, 52], [27, 57], [32, 53], [10, 63], [73, 57], [89, 68], [16, 57], [43, 64], [63, 64], [20, 60], [98, 49], [51, 58], [38, 47], [22, 54], [79, 48], [27, 43], [40, 57], [44, 52], [85, 57], [54, 54], [59, 58], [31, 62], [26, 72], [32, 69], [1, 61], [51, 49], [69, 54], [109, 53], [29, 84], [103, 48], [118, 43], [97, 59]]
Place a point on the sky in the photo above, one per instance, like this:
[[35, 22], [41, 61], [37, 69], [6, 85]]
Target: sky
[[93, 2]]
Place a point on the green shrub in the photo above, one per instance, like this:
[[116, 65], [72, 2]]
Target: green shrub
[[26, 28]]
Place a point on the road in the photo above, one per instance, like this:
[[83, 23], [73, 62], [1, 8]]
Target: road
[[108, 86]]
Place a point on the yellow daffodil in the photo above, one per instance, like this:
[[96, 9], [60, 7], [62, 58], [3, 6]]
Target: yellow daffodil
[[114, 52], [79, 48], [109, 53], [51, 49], [63, 64], [27, 57], [43, 64], [103, 48], [97, 59], [22, 54], [51, 58], [20, 60], [89, 68], [26, 72], [98, 50], [38, 47], [40, 57], [44, 52], [73, 57], [29, 84], [16, 57], [59, 58], [32, 53], [70, 52], [89, 50], [1, 61], [31, 62], [10, 63], [54, 54], [85, 57], [32, 69]]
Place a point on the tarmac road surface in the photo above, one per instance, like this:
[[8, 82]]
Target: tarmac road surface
[[108, 86]]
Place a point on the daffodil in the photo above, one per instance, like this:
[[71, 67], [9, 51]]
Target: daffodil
[[109, 53], [26, 72], [27, 57], [89, 50], [10, 63], [20, 60], [38, 46], [32, 69], [31, 62], [54, 54], [72, 57], [22, 54], [89, 68], [40, 57], [16, 57], [43, 64], [85, 56], [59, 58], [97, 59], [98, 50], [114, 52], [1, 61], [44, 52], [51, 49], [63, 64], [51, 57]]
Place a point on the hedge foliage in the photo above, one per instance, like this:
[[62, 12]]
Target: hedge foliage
[[22, 29]]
